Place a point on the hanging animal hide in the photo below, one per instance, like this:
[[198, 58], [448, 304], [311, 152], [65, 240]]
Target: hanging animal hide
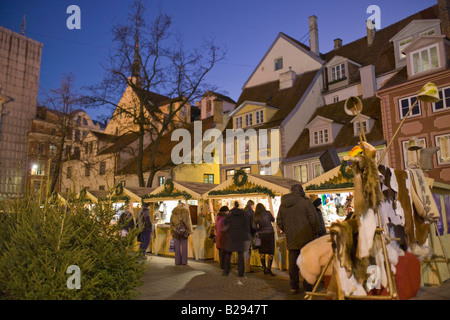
[[344, 239], [367, 184]]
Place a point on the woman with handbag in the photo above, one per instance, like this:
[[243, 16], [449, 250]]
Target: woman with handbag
[[262, 222], [181, 228]]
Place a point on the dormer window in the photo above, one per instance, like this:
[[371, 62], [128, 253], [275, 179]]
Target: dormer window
[[259, 116], [430, 32], [425, 59], [249, 119], [402, 45], [366, 123], [320, 137], [338, 72]]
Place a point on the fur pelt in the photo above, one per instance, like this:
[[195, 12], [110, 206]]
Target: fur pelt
[[313, 257], [368, 193], [344, 239]]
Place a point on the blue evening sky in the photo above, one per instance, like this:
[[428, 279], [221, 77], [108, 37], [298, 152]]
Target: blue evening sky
[[246, 28]]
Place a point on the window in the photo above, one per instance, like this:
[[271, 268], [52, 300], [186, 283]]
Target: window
[[301, 173], [229, 174], [238, 122], [357, 127], [37, 169], [77, 135], [86, 148], [428, 32], [443, 155], [244, 147], [87, 170], [208, 107], [69, 173], [402, 45], [410, 157], [85, 122], [68, 149], [317, 170], [208, 178], [249, 119], [91, 146], [320, 136], [246, 169], [425, 59], [405, 104], [101, 187], [41, 148], [259, 116], [52, 150], [335, 99], [444, 103], [265, 170], [102, 170], [338, 72], [161, 180], [278, 64]]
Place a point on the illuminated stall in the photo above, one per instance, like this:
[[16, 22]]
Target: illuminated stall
[[164, 199], [335, 188], [265, 189]]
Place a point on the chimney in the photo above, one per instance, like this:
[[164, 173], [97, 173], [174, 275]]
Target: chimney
[[287, 79], [218, 111], [313, 35], [444, 16], [368, 81], [370, 27], [337, 43]]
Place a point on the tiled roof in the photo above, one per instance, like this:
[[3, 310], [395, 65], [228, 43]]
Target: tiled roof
[[381, 52], [163, 155], [285, 99], [345, 140]]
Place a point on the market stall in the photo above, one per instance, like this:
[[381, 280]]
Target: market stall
[[335, 188], [265, 189], [164, 199]]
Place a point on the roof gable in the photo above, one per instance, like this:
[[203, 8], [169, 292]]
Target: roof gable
[[415, 26], [296, 56]]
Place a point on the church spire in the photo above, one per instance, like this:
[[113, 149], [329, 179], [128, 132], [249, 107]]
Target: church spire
[[136, 67]]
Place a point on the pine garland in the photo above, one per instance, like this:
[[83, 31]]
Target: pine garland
[[256, 189], [328, 185]]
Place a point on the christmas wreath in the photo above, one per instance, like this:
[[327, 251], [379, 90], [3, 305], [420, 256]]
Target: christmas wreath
[[168, 186], [119, 189], [240, 178]]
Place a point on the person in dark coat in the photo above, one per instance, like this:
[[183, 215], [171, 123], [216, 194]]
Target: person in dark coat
[[237, 225], [144, 222], [220, 234], [126, 221], [262, 222], [297, 218], [322, 229]]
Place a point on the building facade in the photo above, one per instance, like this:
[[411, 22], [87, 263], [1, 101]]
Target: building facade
[[20, 63]]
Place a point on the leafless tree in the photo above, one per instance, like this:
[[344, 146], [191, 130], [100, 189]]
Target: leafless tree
[[154, 63], [62, 102]]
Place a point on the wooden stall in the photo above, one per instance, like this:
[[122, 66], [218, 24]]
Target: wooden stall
[[163, 199], [265, 189]]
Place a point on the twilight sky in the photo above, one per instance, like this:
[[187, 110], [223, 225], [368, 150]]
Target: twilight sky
[[246, 28]]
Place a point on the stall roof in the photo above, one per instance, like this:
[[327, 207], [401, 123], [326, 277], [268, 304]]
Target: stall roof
[[195, 189], [278, 185], [331, 177], [95, 195], [137, 193]]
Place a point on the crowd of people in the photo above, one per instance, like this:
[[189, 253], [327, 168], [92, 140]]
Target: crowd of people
[[242, 229]]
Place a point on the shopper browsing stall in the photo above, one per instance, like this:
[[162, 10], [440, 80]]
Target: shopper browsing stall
[[262, 221]]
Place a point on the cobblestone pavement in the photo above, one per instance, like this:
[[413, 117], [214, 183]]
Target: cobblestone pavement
[[203, 280]]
